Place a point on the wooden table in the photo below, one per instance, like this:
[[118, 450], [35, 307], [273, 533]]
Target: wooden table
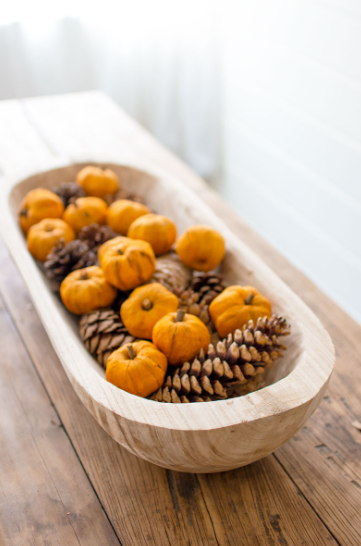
[[64, 481]]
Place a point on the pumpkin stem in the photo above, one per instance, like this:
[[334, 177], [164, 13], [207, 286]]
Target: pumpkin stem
[[131, 352], [180, 315], [23, 212], [249, 299], [84, 277], [147, 304], [119, 250]]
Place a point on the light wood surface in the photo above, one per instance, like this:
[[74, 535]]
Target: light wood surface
[[307, 493], [209, 437]]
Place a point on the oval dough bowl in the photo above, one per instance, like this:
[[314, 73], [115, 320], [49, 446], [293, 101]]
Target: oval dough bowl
[[198, 437]]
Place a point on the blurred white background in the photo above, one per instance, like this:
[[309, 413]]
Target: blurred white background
[[261, 98]]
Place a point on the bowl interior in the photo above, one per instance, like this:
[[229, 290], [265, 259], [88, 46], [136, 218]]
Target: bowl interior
[[158, 197]]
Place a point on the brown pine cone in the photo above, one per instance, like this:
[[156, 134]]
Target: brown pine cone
[[123, 194], [95, 235], [103, 332], [207, 285], [203, 288], [82, 252], [171, 273], [68, 192], [63, 259], [120, 299], [230, 368], [172, 393]]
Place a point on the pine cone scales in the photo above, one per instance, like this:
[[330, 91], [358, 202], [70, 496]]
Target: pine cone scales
[[66, 258], [123, 194], [171, 273], [95, 235], [82, 252], [231, 368], [103, 332], [203, 288], [68, 192], [207, 286]]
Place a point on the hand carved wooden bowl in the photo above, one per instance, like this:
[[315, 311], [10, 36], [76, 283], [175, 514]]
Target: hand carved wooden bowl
[[198, 437]]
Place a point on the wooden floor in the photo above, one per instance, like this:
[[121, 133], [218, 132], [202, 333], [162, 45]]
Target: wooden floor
[[63, 481]]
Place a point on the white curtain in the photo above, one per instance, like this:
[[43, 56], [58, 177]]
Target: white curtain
[[157, 59]]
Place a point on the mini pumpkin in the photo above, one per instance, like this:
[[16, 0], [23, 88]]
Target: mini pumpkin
[[138, 368], [122, 213], [235, 306], [86, 290], [98, 182], [37, 205], [44, 235], [126, 263], [180, 337], [201, 248], [145, 306], [85, 211], [158, 230]]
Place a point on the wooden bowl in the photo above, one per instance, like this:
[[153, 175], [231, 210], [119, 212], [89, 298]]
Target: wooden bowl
[[200, 437]]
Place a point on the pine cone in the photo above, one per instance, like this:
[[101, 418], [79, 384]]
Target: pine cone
[[123, 194], [66, 258], [120, 299], [82, 252], [172, 273], [207, 285], [231, 368], [203, 288], [169, 393], [95, 235], [68, 192], [103, 332]]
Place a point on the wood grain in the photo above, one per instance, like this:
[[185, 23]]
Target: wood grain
[[45, 496], [151, 506]]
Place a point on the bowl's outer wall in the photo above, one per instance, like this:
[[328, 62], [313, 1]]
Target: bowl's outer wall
[[207, 437]]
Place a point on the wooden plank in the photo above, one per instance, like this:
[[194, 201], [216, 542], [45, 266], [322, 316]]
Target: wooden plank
[[45, 495], [21, 147], [148, 505]]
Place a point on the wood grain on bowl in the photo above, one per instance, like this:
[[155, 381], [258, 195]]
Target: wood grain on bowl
[[207, 437]]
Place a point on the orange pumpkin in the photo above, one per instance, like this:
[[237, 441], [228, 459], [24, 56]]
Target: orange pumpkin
[[42, 236], [201, 248], [159, 231], [122, 213], [235, 306], [37, 205], [138, 368], [126, 263], [86, 290], [85, 211], [145, 306], [180, 337], [98, 182]]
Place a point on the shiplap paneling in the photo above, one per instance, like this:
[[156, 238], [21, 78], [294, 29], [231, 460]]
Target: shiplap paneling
[[298, 187], [292, 133]]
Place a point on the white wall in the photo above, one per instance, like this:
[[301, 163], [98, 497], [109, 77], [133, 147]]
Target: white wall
[[289, 73], [292, 133]]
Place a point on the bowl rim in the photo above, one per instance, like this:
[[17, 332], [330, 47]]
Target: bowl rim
[[298, 388]]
